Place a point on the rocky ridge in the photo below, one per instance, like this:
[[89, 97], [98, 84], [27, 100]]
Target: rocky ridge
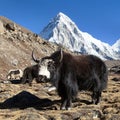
[[16, 45]]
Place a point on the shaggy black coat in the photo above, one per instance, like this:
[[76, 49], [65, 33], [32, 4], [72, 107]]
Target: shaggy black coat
[[77, 72], [31, 73]]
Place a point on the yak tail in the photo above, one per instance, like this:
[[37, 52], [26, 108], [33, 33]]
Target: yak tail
[[104, 77]]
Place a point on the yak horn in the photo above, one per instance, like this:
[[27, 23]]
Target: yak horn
[[61, 54], [34, 58]]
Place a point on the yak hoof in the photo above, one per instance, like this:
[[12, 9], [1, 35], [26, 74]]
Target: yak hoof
[[62, 108], [69, 108]]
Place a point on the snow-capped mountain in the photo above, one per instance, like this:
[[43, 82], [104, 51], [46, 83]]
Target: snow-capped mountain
[[62, 30], [116, 46]]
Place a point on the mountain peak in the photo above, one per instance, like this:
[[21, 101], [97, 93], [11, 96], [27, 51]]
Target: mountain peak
[[61, 18], [61, 14], [62, 30]]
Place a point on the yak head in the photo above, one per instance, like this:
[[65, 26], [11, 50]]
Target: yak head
[[48, 65]]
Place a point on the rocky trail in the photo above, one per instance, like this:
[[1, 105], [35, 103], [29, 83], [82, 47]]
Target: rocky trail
[[22, 102]]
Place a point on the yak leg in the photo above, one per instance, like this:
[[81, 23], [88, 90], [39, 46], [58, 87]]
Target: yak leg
[[98, 97], [66, 104], [63, 104], [67, 89], [96, 91], [23, 80], [30, 79], [94, 97], [69, 104]]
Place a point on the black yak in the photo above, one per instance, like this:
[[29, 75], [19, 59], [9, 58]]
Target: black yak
[[30, 73], [70, 73]]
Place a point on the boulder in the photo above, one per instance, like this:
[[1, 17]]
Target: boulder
[[10, 26]]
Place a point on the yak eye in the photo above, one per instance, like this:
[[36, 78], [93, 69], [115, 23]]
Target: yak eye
[[51, 66], [49, 63]]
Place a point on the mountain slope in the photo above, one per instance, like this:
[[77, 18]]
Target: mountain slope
[[62, 30], [16, 46], [116, 46]]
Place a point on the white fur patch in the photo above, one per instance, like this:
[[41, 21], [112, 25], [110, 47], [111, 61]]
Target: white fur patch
[[51, 88], [44, 71]]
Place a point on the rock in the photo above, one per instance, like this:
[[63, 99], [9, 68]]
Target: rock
[[6, 82], [116, 79], [115, 69], [15, 62], [10, 26]]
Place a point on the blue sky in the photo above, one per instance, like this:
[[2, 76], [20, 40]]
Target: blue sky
[[100, 18]]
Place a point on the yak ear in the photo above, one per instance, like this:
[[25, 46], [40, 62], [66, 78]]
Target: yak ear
[[61, 54]]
